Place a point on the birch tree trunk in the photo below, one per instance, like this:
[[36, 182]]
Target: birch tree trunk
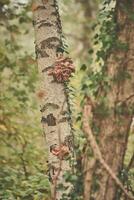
[[54, 106], [114, 129]]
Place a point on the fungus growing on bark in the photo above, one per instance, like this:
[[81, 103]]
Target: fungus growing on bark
[[62, 70], [60, 151]]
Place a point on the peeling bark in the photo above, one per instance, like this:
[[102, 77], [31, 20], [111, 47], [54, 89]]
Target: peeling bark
[[54, 103]]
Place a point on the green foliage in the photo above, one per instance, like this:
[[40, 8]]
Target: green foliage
[[107, 34], [76, 179], [14, 186]]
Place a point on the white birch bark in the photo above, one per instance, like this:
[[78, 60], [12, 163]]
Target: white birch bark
[[54, 104]]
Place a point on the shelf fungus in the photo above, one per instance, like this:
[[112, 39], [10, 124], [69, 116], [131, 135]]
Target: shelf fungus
[[61, 151], [62, 70]]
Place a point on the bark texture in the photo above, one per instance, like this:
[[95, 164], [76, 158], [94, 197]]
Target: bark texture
[[54, 105], [114, 129]]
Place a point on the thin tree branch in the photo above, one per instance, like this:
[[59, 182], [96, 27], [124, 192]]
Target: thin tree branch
[[126, 99]]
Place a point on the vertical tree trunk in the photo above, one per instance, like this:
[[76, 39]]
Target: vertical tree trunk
[[114, 129], [90, 8], [54, 105]]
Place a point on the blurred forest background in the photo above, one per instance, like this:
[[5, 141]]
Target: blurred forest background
[[23, 154]]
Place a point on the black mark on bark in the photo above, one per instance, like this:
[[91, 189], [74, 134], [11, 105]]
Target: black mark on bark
[[50, 120], [47, 68], [64, 119], [53, 5], [64, 112], [51, 172], [48, 105], [41, 23], [48, 24], [40, 53], [40, 7], [69, 141], [34, 23], [50, 43], [52, 131], [54, 13]]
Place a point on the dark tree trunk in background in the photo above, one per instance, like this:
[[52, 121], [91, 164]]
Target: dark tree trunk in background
[[114, 129], [90, 8]]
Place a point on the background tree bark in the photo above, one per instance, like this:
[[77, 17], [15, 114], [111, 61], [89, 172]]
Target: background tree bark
[[90, 9], [53, 96], [114, 129]]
